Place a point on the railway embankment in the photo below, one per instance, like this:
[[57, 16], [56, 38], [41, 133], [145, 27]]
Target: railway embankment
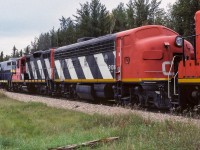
[[90, 108]]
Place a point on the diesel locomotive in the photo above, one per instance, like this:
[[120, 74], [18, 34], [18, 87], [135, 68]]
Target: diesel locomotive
[[189, 71], [137, 66]]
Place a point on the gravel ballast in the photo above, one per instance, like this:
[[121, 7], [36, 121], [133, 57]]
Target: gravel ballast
[[99, 109]]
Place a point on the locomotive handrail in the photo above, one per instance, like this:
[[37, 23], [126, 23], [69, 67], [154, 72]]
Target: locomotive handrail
[[169, 74], [175, 93]]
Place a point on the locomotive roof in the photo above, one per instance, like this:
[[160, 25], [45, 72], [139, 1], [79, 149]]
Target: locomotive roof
[[88, 42], [9, 60]]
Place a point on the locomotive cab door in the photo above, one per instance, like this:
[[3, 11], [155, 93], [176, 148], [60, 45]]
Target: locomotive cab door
[[123, 48], [119, 47]]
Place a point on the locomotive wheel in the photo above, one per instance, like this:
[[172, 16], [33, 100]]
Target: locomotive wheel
[[136, 100]]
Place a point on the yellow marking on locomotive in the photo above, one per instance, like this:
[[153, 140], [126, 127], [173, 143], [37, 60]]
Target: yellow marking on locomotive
[[86, 80], [188, 80], [111, 80], [105, 80], [29, 81], [34, 81], [15, 81], [144, 79]]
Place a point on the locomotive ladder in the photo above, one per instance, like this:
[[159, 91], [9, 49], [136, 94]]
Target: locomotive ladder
[[173, 76]]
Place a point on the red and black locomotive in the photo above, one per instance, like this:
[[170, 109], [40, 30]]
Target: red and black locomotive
[[137, 66]]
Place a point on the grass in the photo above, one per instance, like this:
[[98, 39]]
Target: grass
[[34, 126]]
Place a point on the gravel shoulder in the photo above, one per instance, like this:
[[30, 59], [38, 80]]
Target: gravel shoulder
[[99, 109]]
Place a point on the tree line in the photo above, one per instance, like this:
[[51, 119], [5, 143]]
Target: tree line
[[92, 19]]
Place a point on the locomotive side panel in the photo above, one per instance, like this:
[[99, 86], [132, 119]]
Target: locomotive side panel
[[20, 71], [90, 61], [7, 68], [38, 66]]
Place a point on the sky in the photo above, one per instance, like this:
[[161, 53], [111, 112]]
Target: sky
[[23, 20]]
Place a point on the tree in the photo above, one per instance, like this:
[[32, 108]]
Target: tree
[[138, 13], [182, 13], [130, 14], [141, 12], [63, 23], [1, 56], [17, 54], [145, 12], [27, 50], [14, 51], [54, 38], [83, 20], [155, 13], [92, 19], [21, 53], [67, 32], [44, 41], [120, 18], [7, 57], [34, 45]]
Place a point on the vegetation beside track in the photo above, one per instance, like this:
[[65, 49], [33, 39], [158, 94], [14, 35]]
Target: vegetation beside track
[[35, 126]]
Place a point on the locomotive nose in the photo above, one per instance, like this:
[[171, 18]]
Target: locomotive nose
[[183, 47]]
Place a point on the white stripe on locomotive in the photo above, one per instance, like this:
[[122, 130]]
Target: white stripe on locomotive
[[27, 71], [103, 67], [48, 67], [59, 70], [86, 69], [33, 69], [41, 71], [71, 69], [114, 52]]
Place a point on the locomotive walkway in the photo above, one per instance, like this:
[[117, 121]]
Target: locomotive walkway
[[99, 109]]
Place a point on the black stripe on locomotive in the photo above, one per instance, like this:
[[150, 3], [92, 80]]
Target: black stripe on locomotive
[[103, 45]]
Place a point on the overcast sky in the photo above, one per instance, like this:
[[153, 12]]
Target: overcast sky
[[22, 20]]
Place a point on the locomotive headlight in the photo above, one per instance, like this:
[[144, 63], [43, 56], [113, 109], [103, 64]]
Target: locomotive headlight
[[179, 41]]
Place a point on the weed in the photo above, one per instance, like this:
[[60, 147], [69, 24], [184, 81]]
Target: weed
[[35, 126]]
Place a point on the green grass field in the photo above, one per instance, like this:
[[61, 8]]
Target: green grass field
[[34, 126]]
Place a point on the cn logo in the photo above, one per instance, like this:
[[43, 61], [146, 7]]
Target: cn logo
[[166, 68]]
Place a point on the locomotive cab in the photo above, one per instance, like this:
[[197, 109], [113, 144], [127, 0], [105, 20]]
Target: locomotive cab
[[7, 69], [20, 70], [147, 65]]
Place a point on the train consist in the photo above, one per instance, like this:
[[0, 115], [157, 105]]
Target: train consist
[[137, 66]]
